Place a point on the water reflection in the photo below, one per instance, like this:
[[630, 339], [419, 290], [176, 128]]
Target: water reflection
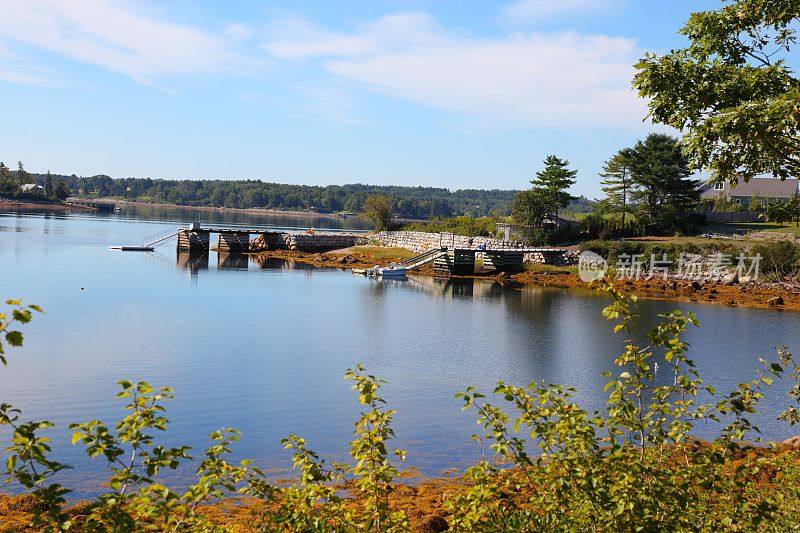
[[232, 261], [193, 262]]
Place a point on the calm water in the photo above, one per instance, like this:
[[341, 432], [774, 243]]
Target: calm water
[[262, 346]]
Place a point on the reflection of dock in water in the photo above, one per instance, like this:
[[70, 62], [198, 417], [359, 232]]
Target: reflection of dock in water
[[232, 261], [192, 262]]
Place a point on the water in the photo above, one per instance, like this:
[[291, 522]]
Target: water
[[262, 347]]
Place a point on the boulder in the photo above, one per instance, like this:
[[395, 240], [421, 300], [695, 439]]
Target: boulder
[[730, 279], [433, 523], [776, 301], [792, 443]]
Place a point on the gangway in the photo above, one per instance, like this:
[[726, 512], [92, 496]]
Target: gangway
[[149, 244], [423, 258]]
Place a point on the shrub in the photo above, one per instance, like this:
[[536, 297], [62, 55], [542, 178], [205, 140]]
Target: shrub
[[464, 225], [778, 258]]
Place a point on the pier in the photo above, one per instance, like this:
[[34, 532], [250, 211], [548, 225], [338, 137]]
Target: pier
[[448, 258], [196, 239]]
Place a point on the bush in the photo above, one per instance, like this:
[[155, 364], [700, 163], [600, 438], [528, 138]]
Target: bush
[[778, 258], [465, 225]]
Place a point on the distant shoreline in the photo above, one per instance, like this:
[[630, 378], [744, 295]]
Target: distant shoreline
[[250, 210], [61, 207], [46, 206]]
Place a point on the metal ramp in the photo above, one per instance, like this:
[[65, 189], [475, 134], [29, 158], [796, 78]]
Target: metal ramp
[[150, 243], [423, 258]]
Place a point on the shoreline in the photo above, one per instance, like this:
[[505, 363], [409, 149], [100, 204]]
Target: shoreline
[[250, 210], [247, 210], [43, 206], [753, 295]]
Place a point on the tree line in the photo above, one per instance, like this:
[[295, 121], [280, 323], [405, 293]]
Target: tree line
[[408, 202], [648, 189]]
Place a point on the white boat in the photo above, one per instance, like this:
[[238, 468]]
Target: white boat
[[394, 270]]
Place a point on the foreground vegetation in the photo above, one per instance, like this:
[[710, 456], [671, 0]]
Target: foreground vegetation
[[550, 465]]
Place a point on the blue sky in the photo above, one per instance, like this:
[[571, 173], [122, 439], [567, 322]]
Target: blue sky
[[457, 94]]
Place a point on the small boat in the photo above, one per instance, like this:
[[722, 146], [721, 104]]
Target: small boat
[[394, 270]]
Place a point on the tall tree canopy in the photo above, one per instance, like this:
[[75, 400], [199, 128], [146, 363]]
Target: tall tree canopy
[[663, 189], [617, 182], [732, 90], [548, 194], [378, 209]]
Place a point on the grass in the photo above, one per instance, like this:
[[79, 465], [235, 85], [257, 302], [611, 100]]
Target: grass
[[379, 252], [550, 269], [747, 227]]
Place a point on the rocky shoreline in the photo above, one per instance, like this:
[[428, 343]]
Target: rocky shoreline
[[753, 294]]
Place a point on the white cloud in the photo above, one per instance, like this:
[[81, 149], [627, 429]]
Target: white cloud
[[523, 79], [295, 38], [524, 11], [115, 35]]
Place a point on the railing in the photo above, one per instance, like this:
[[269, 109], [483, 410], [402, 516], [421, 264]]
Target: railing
[[159, 238], [421, 259]]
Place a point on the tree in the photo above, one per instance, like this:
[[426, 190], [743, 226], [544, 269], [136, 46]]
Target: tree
[[550, 185], [528, 209], [617, 183], [378, 210], [663, 191], [786, 211], [22, 175], [48, 185], [732, 90], [62, 191]]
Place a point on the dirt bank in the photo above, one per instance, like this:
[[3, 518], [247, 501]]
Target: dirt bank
[[762, 295]]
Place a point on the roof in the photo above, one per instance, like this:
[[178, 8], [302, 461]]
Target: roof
[[30, 186], [761, 187]]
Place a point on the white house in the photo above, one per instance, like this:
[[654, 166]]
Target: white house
[[31, 187]]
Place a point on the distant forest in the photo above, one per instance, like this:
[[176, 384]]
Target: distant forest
[[410, 202]]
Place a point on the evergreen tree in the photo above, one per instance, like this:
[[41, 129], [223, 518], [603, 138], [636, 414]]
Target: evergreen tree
[[550, 185], [663, 190], [618, 183], [62, 191], [22, 175], [48, 185]]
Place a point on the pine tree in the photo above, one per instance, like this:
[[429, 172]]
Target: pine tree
[[661, 174], [617, 183], [550, 185], [62, 191], [22, 175], [48, 185]]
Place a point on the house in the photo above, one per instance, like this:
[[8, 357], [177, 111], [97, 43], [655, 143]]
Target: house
[[765, 189], [31, 188]]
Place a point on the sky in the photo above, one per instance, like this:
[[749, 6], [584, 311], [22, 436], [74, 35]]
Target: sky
[[444, 93]]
